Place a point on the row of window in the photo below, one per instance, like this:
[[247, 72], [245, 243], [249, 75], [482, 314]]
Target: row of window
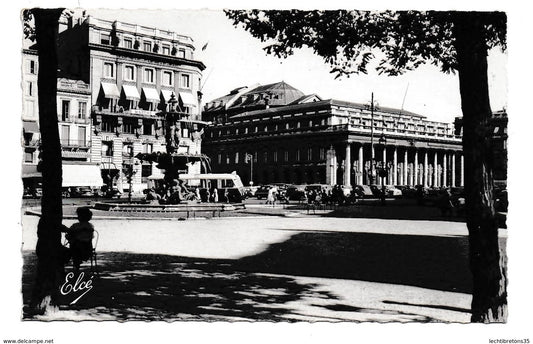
[[145, 45], [130, 126], [66, 113], [127, 149], [403, 126], [267, 128], [129, 74], [267, 156]]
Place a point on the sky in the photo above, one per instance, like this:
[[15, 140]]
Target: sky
[[234, 58]]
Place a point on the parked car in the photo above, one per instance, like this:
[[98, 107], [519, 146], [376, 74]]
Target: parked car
[[249, 191], [363, 191], [318, 187], [377, 190], [262, 191], [295, 192], [392, 191]]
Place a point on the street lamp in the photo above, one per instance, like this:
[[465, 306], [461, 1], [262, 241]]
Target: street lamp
[[250, 158], [372, 106]]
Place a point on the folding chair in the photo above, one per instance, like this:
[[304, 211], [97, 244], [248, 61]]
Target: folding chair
[[94, 243], [94, 264]]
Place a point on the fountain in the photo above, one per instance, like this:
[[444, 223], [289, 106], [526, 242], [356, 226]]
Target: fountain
[[175, 197]]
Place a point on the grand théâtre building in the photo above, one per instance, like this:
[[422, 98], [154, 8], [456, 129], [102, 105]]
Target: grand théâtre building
[[278, 134]]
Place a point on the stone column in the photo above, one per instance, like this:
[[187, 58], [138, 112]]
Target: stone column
[[331, 166], [452, 156], [444, 169], [385, 180], [395, 166], [405, 167], [462, 170], [425, 168], [414, 173], [347, 165], [436, 170], [361, 166]]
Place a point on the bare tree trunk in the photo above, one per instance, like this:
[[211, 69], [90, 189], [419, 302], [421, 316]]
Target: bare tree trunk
[[50, 266], [487, 261]]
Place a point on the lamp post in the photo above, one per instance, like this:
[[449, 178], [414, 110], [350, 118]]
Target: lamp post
[[250, 158], [372, 106], [383, 169]]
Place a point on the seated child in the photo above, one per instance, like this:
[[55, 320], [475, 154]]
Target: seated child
[[80, 236]]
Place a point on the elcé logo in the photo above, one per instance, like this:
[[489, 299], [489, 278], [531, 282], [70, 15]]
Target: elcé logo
[[80, 285]]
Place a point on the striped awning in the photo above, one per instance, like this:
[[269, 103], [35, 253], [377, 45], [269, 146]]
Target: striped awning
[[188, 99], [166, 94], [30, 171], [131, 92], [30, 127], [150, 94], [110, 90]]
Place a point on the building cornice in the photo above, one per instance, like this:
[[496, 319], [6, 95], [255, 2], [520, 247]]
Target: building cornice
[[137, 54]]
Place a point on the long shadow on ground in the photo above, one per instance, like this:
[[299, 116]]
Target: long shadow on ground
[[439, 263], [160, 287], [259, 287]]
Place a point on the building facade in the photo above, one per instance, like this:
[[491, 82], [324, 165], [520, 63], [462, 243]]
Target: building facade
[[115, 79], [497, 131], [309, 140]]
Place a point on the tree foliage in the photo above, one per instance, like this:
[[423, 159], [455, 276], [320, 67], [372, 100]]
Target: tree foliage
[[402, 41], [349, 40]]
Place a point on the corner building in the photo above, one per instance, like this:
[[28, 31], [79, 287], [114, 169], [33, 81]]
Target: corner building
[[131, 72], [290, 137]]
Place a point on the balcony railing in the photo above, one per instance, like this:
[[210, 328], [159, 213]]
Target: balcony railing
[[75, 143], [74, 119], [117, 110], [357, 128]]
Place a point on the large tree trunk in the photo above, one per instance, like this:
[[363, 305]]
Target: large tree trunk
[[487, 261], [50, 266]]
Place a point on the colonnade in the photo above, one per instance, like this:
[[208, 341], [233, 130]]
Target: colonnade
[[432, 167]]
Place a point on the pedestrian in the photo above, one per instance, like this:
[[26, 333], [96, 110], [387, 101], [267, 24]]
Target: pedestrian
[[226, 195], [80, 236], [270, 196]]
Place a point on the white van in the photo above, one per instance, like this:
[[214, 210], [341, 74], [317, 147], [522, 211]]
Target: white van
[[223, 182]]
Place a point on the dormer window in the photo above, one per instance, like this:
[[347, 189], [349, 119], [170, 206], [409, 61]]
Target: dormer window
[[147, 46], [105, 39], [128, 43]]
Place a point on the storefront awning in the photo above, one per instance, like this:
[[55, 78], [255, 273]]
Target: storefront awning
[[188, 99], [110, 90], [150, 94], [131, 92], [30, 127], [82, 175], [166, 94], [30, 171]]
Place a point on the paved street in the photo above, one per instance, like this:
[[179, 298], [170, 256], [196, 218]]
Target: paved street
[[275, 268]]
